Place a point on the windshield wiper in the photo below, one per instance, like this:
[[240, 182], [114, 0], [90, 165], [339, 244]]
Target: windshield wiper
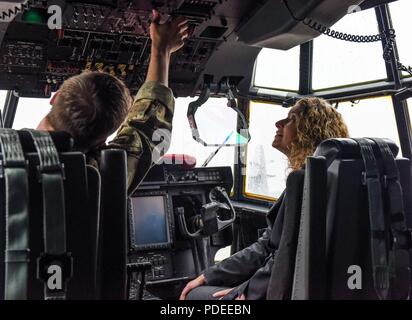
[[214, 153]]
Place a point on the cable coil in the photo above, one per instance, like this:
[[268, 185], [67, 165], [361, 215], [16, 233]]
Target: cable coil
[[10, 13], [388, 36]]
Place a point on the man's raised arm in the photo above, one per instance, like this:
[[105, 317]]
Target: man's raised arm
[[166, 39], [153, 107]]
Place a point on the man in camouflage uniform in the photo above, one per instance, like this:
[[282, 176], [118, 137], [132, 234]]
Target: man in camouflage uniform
[[91, 106]]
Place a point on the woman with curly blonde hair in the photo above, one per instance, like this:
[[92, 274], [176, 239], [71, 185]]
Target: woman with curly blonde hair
[[246, 274], [309, 122]]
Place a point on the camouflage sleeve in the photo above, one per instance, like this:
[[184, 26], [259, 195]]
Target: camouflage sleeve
[[152, 110]]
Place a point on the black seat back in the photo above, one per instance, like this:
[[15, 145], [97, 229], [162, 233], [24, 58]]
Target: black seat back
[[112, 257], [280, 284], [346, 239], [81, 219], [309, 272], [94, 182]]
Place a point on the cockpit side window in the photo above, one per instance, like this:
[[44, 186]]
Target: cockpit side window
[[278, 69], [370, 118], [3, 94], [266, 168], [339, 63], [30, 112]]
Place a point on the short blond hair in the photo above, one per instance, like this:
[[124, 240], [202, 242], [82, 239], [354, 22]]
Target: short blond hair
[[90, 107]]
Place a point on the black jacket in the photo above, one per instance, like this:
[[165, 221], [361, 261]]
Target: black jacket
[[249, 270]]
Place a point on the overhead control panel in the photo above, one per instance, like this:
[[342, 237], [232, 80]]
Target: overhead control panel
[[110, 36]]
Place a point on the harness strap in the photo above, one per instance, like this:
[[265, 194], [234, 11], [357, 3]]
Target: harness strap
[[379, 250], [401, 236], [17, 252], [54, 266]]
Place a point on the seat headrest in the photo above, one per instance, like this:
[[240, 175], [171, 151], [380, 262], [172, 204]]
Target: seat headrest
[[345, 148], [62, 140]]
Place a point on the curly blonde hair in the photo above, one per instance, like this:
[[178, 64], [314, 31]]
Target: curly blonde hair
[[316, 120]]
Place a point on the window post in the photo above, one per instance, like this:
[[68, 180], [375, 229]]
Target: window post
[[400, 107], [306, 67], [10, 107]]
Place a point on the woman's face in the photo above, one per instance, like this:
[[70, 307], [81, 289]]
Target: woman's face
[[286, 132]]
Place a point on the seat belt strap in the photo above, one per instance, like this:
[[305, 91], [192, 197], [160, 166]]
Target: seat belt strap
[[395, 196], [379, 251], [401, 236], [17, 253], [54, 266]]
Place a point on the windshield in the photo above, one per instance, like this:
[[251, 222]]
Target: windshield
[[30, 111], [267, 168], [278, 69], [215, 122], [339, 63], [3, 94]]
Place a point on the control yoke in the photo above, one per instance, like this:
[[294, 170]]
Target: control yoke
[[214, 217]]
